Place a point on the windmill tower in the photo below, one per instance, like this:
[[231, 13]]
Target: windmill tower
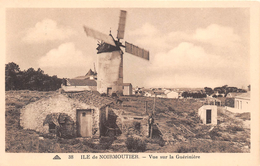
[[110, 57]]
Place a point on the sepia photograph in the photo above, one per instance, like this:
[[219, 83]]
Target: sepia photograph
[[123, 81]]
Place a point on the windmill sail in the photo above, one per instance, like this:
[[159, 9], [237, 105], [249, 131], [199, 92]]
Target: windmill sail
[[132, 49], [98, 35], [121, 25]]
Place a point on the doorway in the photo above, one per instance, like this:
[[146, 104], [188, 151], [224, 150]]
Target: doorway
[[208, 116], [84, 119], [109, 91]]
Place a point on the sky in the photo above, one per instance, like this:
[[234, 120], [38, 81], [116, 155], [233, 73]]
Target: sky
[[189, 47]]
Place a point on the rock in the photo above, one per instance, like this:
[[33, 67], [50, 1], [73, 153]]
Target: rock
[[247, 124], [41, 138], [180, 137]]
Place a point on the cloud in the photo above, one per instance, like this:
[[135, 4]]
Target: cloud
[[217, 35], [47, 30], [65, 56], [190, 65], [187, 55], [149, 37], [214, 34], [194, 58], [146, 30]]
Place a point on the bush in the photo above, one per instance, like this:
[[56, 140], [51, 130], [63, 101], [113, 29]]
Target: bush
[[103, 94], [186, 149], [234, 129], [104, 143], [161, 142], [244, 116], [158, 140], [114, 95], [214, 134], [135, 145], [208, 147]]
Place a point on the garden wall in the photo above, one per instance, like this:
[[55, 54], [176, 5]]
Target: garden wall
[[33, 115]]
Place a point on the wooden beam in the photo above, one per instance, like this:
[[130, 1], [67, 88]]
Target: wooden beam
[[106, 112]]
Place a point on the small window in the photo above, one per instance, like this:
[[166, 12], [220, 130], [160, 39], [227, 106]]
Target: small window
[[83, 114]]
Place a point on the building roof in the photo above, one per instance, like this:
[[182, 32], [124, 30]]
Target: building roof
[[81, 77], [127, 84], [82, 82], [91, 73], [234, 94], [244, 96], [90, 98], [160, 93]]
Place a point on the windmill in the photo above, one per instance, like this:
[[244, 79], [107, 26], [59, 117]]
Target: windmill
[[110, 57]]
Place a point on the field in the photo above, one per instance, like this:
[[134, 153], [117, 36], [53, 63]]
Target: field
[[177, 129]]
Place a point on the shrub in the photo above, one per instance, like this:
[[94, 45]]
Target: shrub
[[135, 145], [214, 134], [244, 116], [157, 140], [103, 94], [186, 149], [68, 141], [208, 147], [234, 129], [161, 142], [104, 143], [230, 102], [114, 95]]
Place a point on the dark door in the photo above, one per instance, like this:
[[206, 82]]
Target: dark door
[[208, 116], [109, 91], [84, 123]]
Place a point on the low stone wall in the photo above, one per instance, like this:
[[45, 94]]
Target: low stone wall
[[33, 115], [133, 125], [125, 124], [235, 110]]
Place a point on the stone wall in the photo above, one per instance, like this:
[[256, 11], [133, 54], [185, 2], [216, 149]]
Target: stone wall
[[33, 115], [125, 124], [129, 124]]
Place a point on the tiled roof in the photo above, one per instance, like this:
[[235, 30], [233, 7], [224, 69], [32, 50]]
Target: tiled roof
[[82, 82], [90, 98], [81, 77]]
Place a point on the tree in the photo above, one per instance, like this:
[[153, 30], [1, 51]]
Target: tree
[[219, 89], [184, 94], [11, 79], [208, 91], [29, 79]]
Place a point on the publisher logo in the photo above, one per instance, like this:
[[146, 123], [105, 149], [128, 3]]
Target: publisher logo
[[56, 157]]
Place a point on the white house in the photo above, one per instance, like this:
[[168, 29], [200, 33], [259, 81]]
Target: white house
[[208, 114], [148, 94], [172, 95], [127, 89], [160, 94], [241, 103]]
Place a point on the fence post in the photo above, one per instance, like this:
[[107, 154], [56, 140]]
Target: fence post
[[106, 112]]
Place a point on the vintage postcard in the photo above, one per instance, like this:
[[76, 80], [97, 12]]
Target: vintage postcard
[[145, 83]]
